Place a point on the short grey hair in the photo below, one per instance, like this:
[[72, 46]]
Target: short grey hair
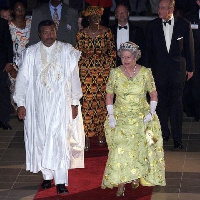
[[130, 46]]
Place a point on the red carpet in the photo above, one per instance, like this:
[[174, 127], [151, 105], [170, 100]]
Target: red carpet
[[84, 184]]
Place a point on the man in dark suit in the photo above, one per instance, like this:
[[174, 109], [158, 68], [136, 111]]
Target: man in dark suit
[[170, 54], [124, 31], [6, 58], [67, 21], [191, 97]]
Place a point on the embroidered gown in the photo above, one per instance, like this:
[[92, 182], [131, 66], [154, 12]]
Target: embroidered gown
[[130, 157], [98, 56], [47, 85]]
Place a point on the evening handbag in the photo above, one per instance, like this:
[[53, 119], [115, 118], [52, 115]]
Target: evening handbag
[[150, 137]]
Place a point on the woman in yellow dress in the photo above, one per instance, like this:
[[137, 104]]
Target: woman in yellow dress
[[97, 45], [134, 156]]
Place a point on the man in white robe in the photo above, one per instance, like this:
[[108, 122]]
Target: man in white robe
[[47, 94]]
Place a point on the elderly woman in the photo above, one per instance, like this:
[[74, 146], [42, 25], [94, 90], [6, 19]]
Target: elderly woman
[[132, 127], [98, 56]]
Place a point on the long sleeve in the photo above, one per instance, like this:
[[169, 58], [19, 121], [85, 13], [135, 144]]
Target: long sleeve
[[22, 80], [9, 44], [189, 49], [34, 38], [20, 90], [6, 45], [76, 87], [111, 50], [147, 53]]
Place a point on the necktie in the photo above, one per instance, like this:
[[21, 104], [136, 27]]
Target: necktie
[[167, 22], [56, 18], [125, 27]]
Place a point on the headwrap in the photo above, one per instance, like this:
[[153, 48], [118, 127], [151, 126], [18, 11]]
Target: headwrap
[[93, 10]]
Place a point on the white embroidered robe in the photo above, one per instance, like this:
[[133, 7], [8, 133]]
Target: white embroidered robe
[[53, 140]]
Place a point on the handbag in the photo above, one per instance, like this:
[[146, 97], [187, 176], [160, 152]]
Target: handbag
[[151, 139]]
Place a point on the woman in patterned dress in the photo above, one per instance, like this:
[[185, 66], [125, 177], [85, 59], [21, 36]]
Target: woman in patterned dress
[[20, 32], [98, 56], [133, 157]]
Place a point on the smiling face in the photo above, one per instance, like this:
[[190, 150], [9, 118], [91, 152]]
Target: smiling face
[[165, 11], [128, 59], [122, 15], [19, 10], [48, 35], [94, 19]]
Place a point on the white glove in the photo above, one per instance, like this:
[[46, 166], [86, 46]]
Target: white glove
[[149, 116], [112, 121]]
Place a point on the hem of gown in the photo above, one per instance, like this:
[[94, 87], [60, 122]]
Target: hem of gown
[[143, 182]]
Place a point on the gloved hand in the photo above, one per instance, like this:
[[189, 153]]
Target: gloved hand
[[112, 121], [149, 116]]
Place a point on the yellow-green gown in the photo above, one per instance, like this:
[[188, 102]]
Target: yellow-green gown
[[130, 156]]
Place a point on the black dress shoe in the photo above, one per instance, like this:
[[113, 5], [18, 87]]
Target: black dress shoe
[[46, 184], [61, 189], [178, 145], [5, 126]]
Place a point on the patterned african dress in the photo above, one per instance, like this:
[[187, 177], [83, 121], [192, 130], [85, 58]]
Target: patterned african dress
[[130, 156], [20, 38], [98, 56]]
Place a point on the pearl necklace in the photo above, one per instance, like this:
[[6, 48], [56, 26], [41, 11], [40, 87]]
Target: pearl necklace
[[132, 73]]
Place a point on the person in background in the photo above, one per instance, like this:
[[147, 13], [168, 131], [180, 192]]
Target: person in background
[[47, 93], [20, 32], [106, 4], [96, 43], [65, 18], [170, 55], [6, 60], [191, 94], [6, 13], [132, 158], [125, 31]]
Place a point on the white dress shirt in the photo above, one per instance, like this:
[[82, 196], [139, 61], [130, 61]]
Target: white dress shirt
[[59, 8], [168, 31], [122, 35]]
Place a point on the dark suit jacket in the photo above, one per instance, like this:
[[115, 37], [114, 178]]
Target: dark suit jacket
[[6, 45], [68, 26], [136, 35], [191, 98], [181, 54]]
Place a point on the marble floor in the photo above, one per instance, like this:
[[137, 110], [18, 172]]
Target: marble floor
[[182, 166]]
